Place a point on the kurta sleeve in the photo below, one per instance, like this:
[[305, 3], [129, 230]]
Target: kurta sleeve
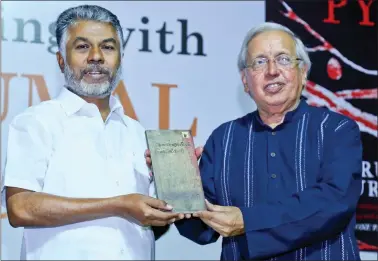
[[28, 153], [317, 212], [194, 229]]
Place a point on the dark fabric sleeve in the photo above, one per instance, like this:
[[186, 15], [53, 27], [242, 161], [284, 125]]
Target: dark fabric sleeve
[[194, 229]]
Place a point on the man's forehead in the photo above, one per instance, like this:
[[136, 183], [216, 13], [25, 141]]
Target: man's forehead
[[271, 41], [90, 29]]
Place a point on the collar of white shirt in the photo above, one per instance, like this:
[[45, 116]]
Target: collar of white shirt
[[72, 103]]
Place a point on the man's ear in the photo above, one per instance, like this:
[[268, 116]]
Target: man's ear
[[60, 60], [304, 75], [244, 81]]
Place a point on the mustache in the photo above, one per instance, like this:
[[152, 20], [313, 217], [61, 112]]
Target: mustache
[[97, 69]]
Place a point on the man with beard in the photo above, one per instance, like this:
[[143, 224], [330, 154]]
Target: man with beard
[[75, 175]]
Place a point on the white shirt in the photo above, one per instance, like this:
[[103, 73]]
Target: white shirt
[[63, 147]]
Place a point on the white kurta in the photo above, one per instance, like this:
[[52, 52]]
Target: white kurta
[[63, 147]]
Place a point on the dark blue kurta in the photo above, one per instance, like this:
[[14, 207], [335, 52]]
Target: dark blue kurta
[[297, 186]]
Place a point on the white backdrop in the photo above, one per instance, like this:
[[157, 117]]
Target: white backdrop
[[208, 86]]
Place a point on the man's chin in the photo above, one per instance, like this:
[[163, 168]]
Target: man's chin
[[96, 95], [95, 82], [92, 91]]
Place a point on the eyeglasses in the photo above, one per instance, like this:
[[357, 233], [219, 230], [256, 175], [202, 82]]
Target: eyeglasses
[[282, 61]]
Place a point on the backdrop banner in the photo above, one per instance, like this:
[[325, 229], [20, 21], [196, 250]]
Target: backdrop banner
[[180, 72]]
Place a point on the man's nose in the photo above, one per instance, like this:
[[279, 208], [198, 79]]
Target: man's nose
[[95, 56], [272, 68]]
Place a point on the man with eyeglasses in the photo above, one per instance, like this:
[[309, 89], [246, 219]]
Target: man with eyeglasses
[[283, 181]]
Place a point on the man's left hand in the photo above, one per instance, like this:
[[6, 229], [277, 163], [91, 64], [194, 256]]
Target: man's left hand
[[227, 221]]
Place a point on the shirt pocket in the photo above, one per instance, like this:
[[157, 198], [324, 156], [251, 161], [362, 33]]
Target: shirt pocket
[[77, 169]]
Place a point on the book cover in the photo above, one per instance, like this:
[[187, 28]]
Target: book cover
[[175, 168]]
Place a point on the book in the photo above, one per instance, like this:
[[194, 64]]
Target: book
[[175, 169]]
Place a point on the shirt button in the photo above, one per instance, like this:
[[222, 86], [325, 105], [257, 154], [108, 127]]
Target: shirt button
[[274, 176], [122, 251], [273, 133], [273, 154], [117, 183]]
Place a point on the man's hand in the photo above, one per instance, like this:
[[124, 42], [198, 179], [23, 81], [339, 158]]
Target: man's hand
[[227, 221], [147, 210]]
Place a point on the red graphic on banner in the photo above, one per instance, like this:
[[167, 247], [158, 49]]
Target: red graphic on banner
[[326, 45], [334, 69], [320, 96], [358, 94], [363, 246]]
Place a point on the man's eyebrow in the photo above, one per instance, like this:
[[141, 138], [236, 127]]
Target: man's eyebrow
[[80, 38], [84, 39], [109, 40]]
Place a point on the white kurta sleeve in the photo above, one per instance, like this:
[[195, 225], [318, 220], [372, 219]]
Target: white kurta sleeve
[[28, 153]]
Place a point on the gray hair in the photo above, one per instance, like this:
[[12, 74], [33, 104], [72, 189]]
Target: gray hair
[[300, 48], [85, 13]]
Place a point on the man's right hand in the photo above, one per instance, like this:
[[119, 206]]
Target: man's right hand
[[27, 208], [147, 210]]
